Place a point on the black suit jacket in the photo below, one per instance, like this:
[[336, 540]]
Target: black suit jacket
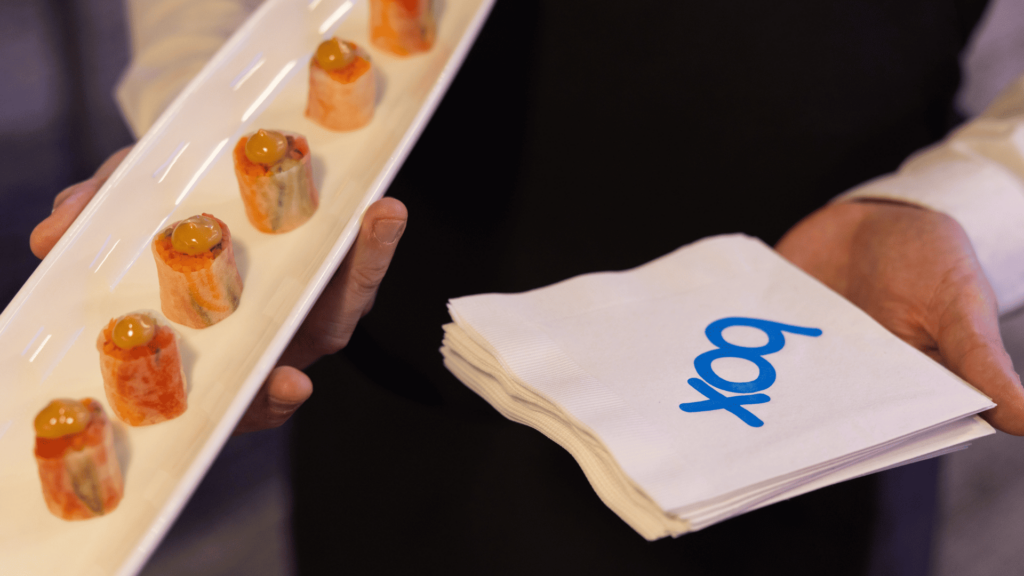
[[593, 135]]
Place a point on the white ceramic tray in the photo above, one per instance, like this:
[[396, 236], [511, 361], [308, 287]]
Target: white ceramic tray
[[103, 268]]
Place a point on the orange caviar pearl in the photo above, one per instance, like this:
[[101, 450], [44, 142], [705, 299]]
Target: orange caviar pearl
[[196, 235], [133, 330], [266, 147], [62, 417], [334, 54]]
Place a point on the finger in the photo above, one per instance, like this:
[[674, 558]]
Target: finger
[[971, 346], [111, 163], [363, 270], [101, 175], [281, 395], [69, 204], [46, 234], [351, 292]]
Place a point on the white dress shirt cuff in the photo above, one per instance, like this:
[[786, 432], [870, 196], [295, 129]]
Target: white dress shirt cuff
[[976, 176]]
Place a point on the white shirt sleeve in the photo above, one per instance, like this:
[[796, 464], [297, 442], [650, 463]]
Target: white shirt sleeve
[[171, 42], [975, 175]]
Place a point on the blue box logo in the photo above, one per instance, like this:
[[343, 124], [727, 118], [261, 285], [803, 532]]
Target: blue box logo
[[747, 390]]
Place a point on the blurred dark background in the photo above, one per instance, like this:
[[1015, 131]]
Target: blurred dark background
[[59, 60]]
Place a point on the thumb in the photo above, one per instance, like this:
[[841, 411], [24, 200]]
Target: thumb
[[362, 272], [970, 345], [351, 292], [281, 395]]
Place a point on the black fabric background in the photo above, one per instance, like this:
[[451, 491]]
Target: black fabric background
[[586, 136]]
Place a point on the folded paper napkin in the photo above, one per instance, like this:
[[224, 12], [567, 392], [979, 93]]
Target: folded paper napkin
[[708, 383]]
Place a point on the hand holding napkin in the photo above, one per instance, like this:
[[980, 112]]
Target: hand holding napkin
[[707, 383]]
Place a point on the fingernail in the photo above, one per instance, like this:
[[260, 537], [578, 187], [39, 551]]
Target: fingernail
[[280, 407], [388, 231]]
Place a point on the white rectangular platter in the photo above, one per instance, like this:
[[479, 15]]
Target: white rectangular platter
[[103, 268]]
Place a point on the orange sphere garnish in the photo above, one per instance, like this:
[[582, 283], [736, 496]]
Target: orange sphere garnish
[[266, 147], [62, 417], [334, 54], [133, 330], [196, 235]]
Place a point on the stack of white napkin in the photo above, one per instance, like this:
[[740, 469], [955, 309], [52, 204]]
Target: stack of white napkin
[[708, 383]]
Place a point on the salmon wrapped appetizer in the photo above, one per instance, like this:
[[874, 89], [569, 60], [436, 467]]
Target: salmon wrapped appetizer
[[275, 177], [195, 264], [142, 371], [402, 27], [78, 467], [342, 86]]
